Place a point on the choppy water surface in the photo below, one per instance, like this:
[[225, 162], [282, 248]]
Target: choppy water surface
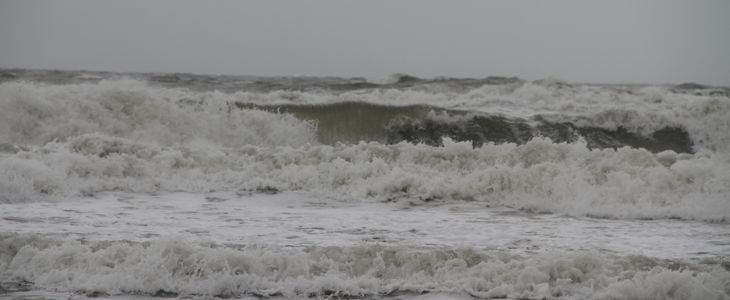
[[180, 185]]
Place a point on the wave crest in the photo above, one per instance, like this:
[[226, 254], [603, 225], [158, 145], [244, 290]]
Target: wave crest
[[32, 114], [540, 175]]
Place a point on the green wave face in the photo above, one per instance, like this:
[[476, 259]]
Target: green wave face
[[352, 122]]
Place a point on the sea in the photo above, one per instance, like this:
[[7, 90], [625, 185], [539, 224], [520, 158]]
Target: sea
[[176, 185]]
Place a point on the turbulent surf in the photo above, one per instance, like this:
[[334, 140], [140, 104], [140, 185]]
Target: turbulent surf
[[87, 151]]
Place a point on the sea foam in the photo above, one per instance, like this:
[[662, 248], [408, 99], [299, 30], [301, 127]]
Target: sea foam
[[539, 175], [178, 267]]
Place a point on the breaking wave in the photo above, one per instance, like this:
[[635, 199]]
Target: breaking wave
[[351, 122], [179, 268], [604, 151], [32, 114], [540, 175]]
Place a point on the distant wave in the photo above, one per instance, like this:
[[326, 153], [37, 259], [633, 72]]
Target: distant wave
[[655, 118]]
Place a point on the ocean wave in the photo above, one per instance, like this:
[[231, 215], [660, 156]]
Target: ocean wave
[[351, 122], [39, 113], [540, 175], [637, 110], [335, 144], [169, 267], [33, 114], [532, 146]]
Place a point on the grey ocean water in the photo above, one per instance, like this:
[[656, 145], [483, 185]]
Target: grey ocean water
[[131, 185]]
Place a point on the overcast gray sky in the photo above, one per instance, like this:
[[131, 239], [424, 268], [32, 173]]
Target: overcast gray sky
[[661, 41]]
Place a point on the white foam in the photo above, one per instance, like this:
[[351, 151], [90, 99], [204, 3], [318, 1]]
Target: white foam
[[539, 175], [32, 114], [187, 268], [302, 219]]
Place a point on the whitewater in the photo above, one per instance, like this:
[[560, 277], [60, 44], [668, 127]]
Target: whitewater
[[131, 186]]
